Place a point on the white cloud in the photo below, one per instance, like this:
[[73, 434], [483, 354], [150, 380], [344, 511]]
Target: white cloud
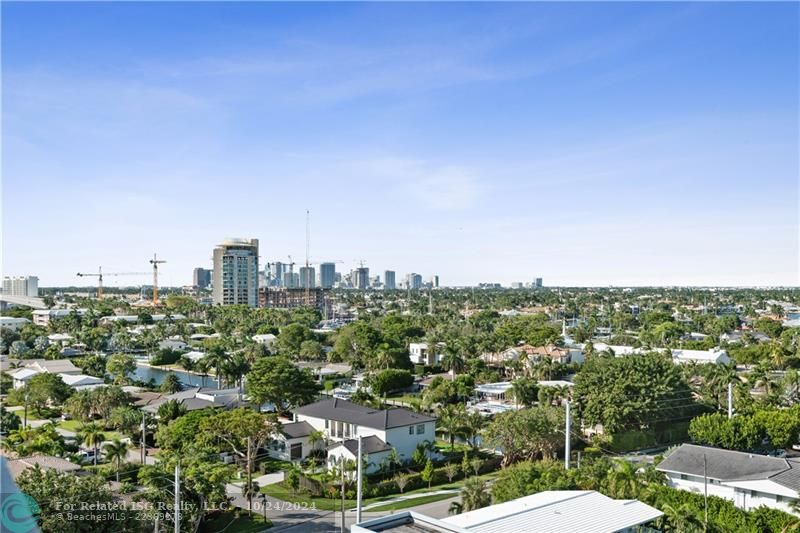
[[440, 187]]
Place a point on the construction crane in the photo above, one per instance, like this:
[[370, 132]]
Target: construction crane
[[307, 282], [155, 262], [99, 275]]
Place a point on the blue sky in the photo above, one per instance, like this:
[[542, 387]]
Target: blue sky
[[589, 144]]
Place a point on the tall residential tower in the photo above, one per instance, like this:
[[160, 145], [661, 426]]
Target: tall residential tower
[[327, 275], [235, 278]]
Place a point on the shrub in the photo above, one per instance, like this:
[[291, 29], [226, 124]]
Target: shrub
[[391, 380]]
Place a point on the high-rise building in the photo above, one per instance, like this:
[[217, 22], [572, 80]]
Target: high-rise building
[[414, 281], [362, 278], [307, 277], [435, 281], [327, 275], [201, 277], [27, 286], [388, 280], [236, 272], [538, 283], [276, 271], [291, 280]]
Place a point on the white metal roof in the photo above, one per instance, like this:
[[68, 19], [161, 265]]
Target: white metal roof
[[567, 511]]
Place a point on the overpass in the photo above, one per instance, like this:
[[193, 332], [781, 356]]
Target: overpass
[[36, 303]]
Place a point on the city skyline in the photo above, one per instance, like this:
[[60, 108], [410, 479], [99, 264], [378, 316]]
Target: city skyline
[[622, 144]]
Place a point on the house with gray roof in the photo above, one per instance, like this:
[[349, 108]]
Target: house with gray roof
[[382, 430], [748, 480]]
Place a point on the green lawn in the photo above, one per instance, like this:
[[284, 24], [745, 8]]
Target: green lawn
[[75, 426], [405, 398], [412, 502], [229, 523], [273, 465], [284, 493]]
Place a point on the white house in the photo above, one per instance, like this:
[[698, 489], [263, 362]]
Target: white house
[[22, 376], [342, 422], [551, 510], [42, 317], [714, 355], [61, 338], [420, 354], [70, 374], [13, 323], [748, 480], [82, 381], [267, 340], [376, 450]]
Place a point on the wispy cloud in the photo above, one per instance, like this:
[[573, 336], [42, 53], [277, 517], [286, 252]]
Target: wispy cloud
[[439, 187]]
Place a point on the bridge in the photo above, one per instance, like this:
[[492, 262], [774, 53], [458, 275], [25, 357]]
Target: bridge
[[36, 303]]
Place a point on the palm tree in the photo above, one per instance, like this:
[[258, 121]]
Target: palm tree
[[624, 480], [92, 435], [777, 353], [187, 363], [235, 368], [453, 360], [473, 424], [455, 508], [682, 518], [116, 452], [170, 410], [451, 422], [474, 494], [760, 375], [791, 385], [248, 491], [544, 368], [314, 438], [202, 366], [216, 359]]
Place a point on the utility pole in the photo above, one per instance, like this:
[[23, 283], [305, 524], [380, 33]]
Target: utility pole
[[358, 489], [705, 491], [25, 414], [343, 521], [177, 497], [249, 483], [730, 400], [144, 436], [567, 450]]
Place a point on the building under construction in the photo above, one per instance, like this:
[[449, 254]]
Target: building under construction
[[284, 298]]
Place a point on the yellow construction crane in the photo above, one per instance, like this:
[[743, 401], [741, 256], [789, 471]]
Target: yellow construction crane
[[99, 275], [155, 262]]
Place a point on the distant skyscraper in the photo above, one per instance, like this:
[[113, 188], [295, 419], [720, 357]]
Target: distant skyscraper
[[388, 280], [27, 286], [291, 280], [201, 277], [362, 278], [435, 281], [236, 272], [414, 281], [276, 273], [327, 275], [307, 277], [538, 283]]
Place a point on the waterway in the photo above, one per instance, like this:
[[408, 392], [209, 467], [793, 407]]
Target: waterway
[[146, 373]]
